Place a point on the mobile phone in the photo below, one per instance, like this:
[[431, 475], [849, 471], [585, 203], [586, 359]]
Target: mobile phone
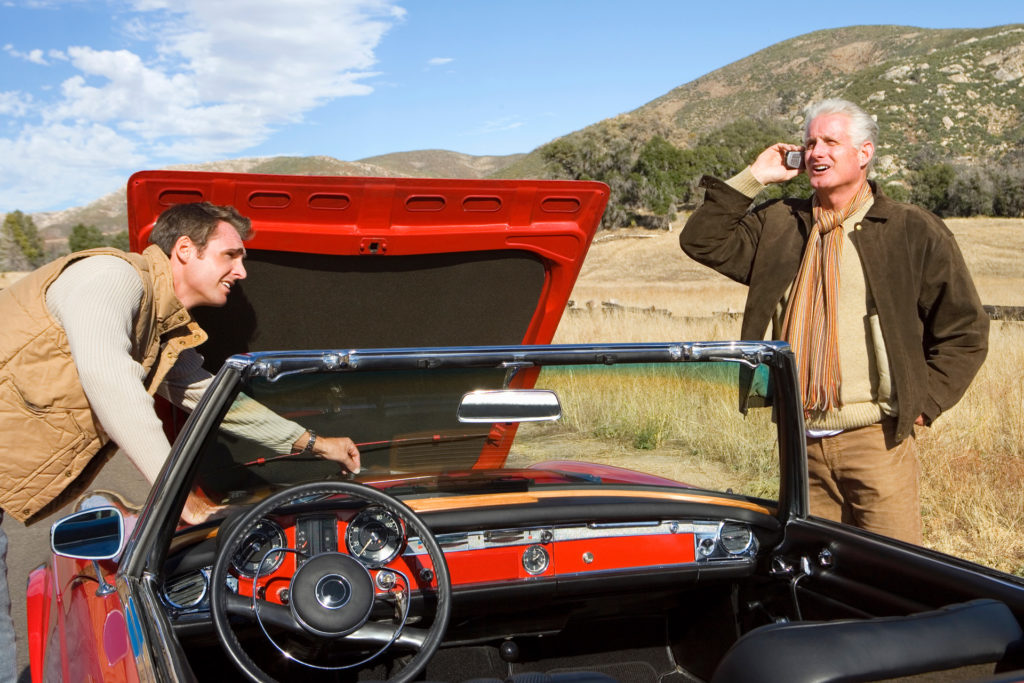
[[794, 159]]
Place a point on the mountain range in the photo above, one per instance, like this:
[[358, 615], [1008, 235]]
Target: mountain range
[[952, 94]]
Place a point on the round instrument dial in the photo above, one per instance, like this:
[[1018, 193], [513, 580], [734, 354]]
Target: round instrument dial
[[536, 560], [265, 536], [374, 536], [736, 538]]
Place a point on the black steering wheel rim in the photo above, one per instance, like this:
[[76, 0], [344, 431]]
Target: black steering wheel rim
[[239, 531]]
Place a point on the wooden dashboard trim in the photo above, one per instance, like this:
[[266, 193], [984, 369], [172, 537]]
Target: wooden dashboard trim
[[498, 499]]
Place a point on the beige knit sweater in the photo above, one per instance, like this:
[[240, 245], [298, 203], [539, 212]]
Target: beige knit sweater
[[866, 392], [96, 301]]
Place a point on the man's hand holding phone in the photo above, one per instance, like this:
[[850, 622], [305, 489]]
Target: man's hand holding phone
[[774, 165]]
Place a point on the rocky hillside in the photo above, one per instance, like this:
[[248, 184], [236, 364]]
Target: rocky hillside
[[109, 213], [960, 90], [439, 163], [954, 93]]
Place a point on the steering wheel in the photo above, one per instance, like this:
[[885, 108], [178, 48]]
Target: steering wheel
[[332, 594]]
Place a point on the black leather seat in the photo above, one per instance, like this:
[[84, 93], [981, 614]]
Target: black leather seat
[[963, 634]]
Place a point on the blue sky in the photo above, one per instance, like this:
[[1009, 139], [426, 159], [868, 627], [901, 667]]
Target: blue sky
[[93, 90]]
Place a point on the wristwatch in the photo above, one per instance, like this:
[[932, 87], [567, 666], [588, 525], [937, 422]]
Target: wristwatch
[[308, 448]]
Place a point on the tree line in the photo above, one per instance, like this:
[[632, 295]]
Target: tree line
[[651, 179], [22, 248], [960, 190]]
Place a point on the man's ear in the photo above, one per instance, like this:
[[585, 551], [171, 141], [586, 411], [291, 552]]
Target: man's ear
[[184, 249], [866, 153]]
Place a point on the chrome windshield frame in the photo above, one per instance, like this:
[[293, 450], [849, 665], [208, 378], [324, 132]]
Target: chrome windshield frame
[[272, 365]]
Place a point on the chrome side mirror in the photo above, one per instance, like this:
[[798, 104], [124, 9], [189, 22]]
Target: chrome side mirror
[[95, 534]]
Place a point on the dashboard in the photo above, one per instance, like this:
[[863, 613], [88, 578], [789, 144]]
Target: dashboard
[[278, 545]]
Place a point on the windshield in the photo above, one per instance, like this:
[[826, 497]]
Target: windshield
[[654, 423]]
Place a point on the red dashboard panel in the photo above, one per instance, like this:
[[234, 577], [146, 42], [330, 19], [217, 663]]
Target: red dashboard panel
[[631, 552], [513, 556]]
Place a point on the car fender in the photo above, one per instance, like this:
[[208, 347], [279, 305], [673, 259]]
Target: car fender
[[38, 598]]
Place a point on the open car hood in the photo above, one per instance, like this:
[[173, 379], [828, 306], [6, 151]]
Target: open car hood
[[386, 262]]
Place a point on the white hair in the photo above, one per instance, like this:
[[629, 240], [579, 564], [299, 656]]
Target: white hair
[[863, 128]]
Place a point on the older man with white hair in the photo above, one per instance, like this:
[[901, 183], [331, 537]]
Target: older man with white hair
[[873, 296]]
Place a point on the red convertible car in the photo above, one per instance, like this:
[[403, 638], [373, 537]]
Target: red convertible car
[[525, 511]]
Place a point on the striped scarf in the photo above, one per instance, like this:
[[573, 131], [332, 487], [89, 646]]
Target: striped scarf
[[810, 325]]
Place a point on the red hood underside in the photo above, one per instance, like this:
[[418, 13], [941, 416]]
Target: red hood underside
[[343, 262]]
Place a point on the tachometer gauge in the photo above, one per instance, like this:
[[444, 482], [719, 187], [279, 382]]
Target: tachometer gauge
[[265, 536], [374, 536]]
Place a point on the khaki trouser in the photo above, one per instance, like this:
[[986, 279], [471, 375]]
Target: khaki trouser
[[864, 478]]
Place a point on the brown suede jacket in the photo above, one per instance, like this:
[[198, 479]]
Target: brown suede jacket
[[933, 323]]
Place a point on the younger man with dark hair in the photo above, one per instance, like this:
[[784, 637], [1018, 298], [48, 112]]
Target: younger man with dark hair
[[86, 342]]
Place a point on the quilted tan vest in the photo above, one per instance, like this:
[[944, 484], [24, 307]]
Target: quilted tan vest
[[48, 433]]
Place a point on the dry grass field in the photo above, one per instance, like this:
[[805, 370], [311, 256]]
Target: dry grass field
[[973, 469]]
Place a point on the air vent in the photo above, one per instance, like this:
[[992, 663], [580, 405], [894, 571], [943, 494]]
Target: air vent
[[560, 204], [335, 202], [269, 200], [485, 204], [424, 203], [170, 197], [186, 590]]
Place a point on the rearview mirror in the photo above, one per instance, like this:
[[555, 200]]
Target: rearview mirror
[[509, 405], [95, 534]]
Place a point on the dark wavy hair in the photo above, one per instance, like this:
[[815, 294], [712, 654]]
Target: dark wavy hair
[[196, 221]]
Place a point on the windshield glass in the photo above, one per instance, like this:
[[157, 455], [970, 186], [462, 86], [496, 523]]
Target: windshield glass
[[659, 424]]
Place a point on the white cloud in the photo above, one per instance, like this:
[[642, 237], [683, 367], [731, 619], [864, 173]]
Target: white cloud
[[127, 92], [14, 104], [205, 80], [35, 56], [439, 61], [150, 5], [43, 164], [285, 57]]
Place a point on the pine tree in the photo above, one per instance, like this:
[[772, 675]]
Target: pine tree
[[21, 247]]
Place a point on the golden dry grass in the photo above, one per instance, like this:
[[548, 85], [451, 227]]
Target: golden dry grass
[[972, 464], [655, 420]]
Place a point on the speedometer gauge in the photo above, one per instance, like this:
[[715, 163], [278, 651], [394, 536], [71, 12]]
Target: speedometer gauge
[[265, 536], [374, 536]]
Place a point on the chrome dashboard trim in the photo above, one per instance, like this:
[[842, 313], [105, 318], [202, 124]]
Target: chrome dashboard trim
[[708, 531]]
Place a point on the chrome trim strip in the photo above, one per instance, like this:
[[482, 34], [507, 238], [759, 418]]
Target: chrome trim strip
[[273, 365], [501, 538]]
